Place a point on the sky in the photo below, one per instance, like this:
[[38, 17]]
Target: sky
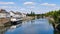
[[26, 6]]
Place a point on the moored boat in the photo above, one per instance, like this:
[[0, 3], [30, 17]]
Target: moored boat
[[15, 21]]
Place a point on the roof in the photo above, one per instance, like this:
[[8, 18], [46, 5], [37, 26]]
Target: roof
[[12, 12], [24, 13], [16, 13], [3, 11]]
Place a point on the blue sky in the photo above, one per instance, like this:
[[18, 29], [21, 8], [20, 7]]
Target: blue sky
[[26, 6]]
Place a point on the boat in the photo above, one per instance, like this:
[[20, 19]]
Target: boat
[[15, 21]]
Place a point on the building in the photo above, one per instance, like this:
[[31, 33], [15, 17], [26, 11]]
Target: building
[[4, 13], [12, 14], [16, 17], [23, 14], [17, 14], [4, 16]]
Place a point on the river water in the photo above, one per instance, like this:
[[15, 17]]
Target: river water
[[37, 26]]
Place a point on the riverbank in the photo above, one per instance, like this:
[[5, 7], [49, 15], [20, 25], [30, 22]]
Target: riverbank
[[51, 19], [6, 21], [55, 25], [28, 18]]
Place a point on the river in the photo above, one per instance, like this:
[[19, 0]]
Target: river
[[37, 26]]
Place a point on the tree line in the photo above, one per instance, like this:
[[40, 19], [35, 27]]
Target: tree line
[[55, 15], [33, 14]]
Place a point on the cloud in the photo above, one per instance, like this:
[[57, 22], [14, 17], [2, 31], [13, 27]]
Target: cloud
[[29, 3], [7, 3], [47, 4]]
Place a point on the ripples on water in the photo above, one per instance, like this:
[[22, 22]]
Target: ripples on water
[[37, 26]]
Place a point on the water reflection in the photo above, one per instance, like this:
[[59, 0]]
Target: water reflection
[[38, 26], [2, 31]]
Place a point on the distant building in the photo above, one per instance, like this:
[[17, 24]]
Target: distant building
[[23, 14], [4, 13], [17, 14], [12, 14]]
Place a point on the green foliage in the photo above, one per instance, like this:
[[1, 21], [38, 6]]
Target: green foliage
[[31, 14], [55, 15]]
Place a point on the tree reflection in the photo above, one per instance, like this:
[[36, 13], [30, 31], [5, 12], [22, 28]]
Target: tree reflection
[[56, 32]]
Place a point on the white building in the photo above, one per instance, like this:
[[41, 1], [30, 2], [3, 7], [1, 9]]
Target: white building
[[4, 13], [12, 14], [23, 14], [17, 14]]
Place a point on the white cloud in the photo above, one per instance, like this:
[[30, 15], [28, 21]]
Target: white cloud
[[29, 3], [47, 4], [7, 3]]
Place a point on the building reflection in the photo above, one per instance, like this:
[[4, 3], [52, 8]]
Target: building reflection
[[3, 29], [13, 27]]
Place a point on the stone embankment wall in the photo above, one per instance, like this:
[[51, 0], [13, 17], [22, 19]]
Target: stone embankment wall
[[4, 21], [28, 18]]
